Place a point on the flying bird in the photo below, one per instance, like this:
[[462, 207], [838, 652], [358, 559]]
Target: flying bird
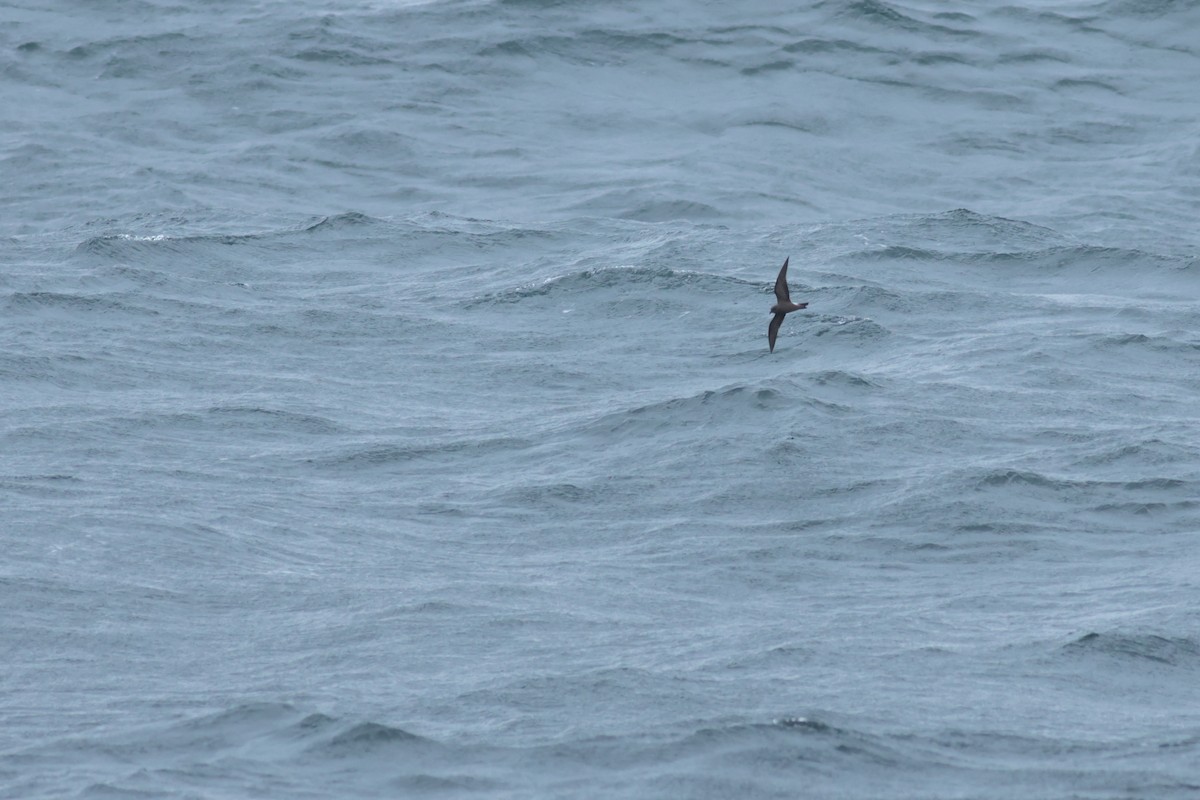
[[783, 307]]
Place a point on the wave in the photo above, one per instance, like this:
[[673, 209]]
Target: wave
[[235, 749], [974, 249], [122, 246], [58, 486], [340, 57], [856, 331], [272, 420], [1150, 452], [852, 49], [889, 17], [866, 298], [262, 727], [127, 246], [243, 419], [1015, 477], [606, 278], [1037, 480], [1175, 651], [1154, 343], [706, 406], [351, 220], [369, 738], [557, 493], [1069, 261], [348, 251], [846, 379], [1156, 9], [663, 210], [1016, 500], [18, 302], [386, 454], [588, 46], [736, 402], [132, 247]]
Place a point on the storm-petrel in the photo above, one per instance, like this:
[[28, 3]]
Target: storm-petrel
[[782, 308]]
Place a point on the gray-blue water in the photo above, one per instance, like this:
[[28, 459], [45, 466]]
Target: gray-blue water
[[386, 407]]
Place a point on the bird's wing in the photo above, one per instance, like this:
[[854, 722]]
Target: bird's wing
[[781, 287], [773, 329]]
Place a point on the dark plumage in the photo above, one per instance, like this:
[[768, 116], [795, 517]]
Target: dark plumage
[[783, 306]]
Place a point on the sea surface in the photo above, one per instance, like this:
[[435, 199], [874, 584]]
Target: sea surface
[[386, 408]]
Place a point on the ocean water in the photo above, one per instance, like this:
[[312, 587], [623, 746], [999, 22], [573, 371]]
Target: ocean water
[[386, 407]]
